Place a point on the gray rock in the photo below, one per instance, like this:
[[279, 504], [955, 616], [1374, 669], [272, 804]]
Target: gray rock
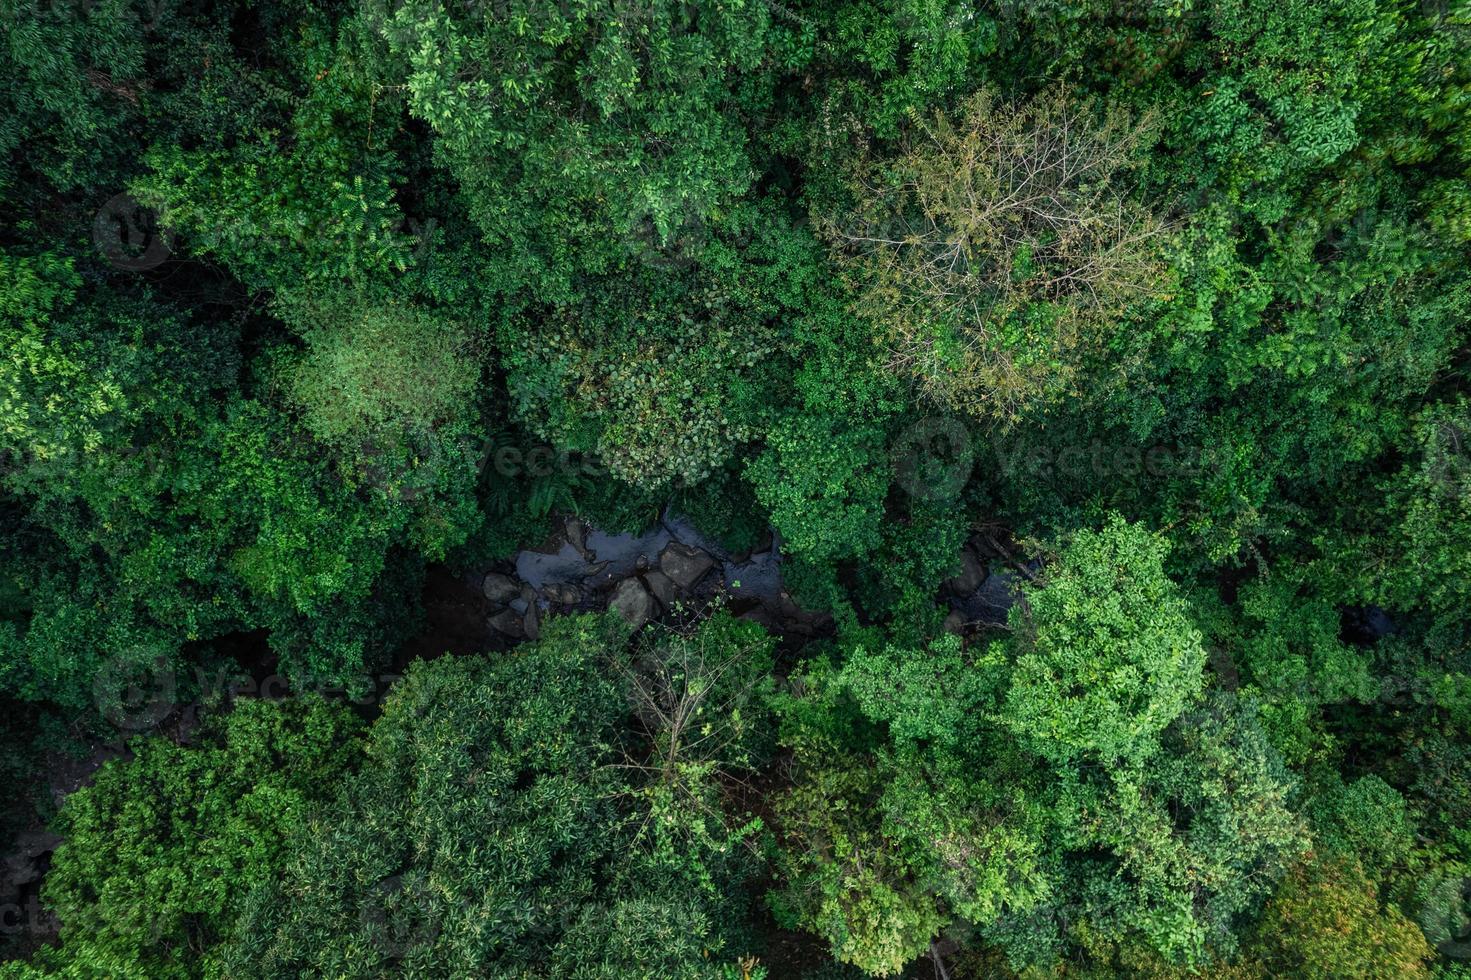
[[987, 545], [971, 576], [576, 535], [531, 622], [633, 602], [562, 594], [662, 586], [762, 617], [684, 565], [955, 622], [785, 606], [509, 622], [501, 588]]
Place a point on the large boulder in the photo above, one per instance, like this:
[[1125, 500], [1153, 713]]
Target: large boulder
[[576, 536], [661, 585], [510, 623], [633, 602], [501, 589], [684, 565], [971, 576], [562, 593]]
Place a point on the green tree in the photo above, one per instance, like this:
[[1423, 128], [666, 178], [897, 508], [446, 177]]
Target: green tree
[[1105, 652], [161, 850], [496, 830], [983, 789], [1327, 921]]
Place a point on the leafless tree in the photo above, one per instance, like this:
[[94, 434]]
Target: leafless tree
[[1001, 245]]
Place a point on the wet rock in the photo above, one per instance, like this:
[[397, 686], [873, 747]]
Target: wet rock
[[955, 622], [623, 551], [576, 535], [785, 606], [538, 568], [762, 617], [563, 594], [509, 622], [1224, 666], [988, 547], [684, 565], [500, 588], [633, 602], [662, 586], [520, 604], [760, 577], [972, 573], [531, 622]]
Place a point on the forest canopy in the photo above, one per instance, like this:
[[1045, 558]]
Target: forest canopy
[[735, 489]]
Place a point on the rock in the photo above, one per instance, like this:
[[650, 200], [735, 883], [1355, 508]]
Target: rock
[[1363, 625], [562, 594], [531, 622], [633, 602], [662, 586], [519, 605], [500, 588], [972, 574], [641, 563], [577, 536], [986, 545], [684, 565], [785, 606], [31, 845], [1224, 666], [762, 617], [509, 622], [954, 623]]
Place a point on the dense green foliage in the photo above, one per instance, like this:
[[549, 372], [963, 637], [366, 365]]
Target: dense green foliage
[[1098, 368], [1068, 779], [494, 830], [162, 849]]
